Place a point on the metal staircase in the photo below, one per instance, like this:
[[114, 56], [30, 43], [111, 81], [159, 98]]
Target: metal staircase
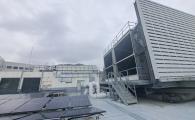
[[120, 89], [126, 93]]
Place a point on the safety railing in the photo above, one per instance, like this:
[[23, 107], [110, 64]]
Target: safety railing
[[126, 28], [124, 84], [127, 81]]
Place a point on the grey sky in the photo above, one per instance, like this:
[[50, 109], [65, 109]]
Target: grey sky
[[65, 31]]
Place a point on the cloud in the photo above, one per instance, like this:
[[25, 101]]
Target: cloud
[[65, 31]]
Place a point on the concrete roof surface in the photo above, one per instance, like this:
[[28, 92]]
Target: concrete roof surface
[[145, 110]]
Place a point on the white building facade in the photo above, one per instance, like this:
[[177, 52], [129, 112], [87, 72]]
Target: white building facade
[[46, 77]]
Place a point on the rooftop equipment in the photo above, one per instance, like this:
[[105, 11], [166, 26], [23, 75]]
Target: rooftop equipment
[[44, 108], [155, 53]]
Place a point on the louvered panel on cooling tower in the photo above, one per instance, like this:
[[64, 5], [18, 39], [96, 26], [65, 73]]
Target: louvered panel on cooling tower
[[170, 40]]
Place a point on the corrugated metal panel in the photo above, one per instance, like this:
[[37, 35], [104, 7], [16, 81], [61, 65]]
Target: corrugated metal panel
[[170, 38]]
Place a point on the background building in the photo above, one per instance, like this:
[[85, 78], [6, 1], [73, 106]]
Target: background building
[[20, 77], [13, 66], [71, 75]]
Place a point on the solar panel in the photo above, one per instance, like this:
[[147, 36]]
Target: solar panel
[[32, 117], [44, 115], [80, 101], [10, 105], [3, 101], [22, 96], [5, 118], [22, 109], [3, 97], [53, 114], [74, 113], [13, 117], [77, 113], [58, 103], [35, 104], [68, 102], [14, 96], [16, 117]]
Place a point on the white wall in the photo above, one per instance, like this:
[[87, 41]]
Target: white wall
[[48, 79]]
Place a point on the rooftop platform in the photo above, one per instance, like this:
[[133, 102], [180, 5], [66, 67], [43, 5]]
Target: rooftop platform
[[145, 110], [135, 82]]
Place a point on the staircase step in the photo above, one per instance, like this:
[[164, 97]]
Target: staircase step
[[123, 93]]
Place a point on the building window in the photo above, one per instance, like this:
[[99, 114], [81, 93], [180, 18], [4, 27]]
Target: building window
[[9, 67], [21, 68], [15, 67]]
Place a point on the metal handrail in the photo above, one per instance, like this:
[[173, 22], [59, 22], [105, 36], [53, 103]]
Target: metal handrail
[[120, 76], [121, 82], [134, 88], [120, 34], [127, 71]]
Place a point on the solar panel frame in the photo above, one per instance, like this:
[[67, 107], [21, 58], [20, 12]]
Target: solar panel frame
[[13, 117], [80, 101], [3, 101], [5, 118], [10, 105], [67, 102], [22, 96], [32, 117], [16, 117], [82, 112], [52, 115], [44, 115], [46, 107], [74, 113], [3, 97], [33, 105], [58, 103]]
